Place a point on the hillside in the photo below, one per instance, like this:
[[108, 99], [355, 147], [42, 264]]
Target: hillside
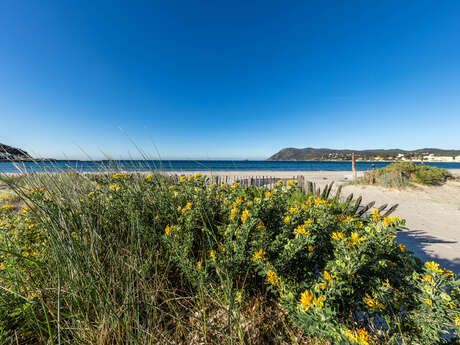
[[12, 153], [312, 154]]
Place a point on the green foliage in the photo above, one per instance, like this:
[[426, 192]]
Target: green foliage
[[143, 259], [402, 174]]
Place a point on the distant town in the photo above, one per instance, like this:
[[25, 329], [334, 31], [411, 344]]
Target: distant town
[[312, 154]]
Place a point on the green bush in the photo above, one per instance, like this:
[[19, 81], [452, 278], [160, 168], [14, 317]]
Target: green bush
[[133, 259], [402, 174]]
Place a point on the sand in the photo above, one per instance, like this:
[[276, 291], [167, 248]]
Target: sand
[[432, 213]]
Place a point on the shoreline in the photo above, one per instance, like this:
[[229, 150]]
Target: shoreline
[[51, 160], [324, 174]]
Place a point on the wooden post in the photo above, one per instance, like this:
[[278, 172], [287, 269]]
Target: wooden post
[[353, 165]]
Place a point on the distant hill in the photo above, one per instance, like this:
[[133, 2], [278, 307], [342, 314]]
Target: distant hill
[[12, 153], [312, 154]]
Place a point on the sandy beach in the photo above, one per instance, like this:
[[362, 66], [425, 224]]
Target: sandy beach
[[432, 214]]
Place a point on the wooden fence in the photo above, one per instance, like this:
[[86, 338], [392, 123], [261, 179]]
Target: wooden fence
[[306, 186]]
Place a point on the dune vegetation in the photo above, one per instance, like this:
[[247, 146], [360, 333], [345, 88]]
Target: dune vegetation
[[403, 174], [151, 259]]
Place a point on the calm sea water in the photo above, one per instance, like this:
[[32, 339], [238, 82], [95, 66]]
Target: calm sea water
[[189, 165]]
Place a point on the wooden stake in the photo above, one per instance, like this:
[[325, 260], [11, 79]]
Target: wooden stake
[[353, 164]]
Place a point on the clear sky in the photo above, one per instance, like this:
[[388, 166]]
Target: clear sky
[[227, 79]]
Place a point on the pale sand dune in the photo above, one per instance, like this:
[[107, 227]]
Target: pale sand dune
[[432, 213]]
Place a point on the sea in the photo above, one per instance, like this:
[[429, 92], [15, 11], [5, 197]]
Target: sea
[[196, 165]]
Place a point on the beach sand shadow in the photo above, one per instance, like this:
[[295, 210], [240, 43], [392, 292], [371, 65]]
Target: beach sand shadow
[[417, 241]]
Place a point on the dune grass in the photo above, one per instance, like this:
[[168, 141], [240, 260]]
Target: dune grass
[[149, 259], [401, 175]]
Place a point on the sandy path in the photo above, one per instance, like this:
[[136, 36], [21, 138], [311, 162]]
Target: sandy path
[[433, 216]]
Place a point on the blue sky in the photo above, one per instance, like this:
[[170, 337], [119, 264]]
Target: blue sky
[[227, 79]]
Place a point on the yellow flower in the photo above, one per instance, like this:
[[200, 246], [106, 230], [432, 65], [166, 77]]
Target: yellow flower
[[348, 219], [373, 302], [279, 183], [149, 176], [25, 210], [402, 247], [457, 321], [259, 255], [448, 273], [318, 302], [301, 230], [388, 221], [355, 239], [293, 210], [31, 226], [233, 213], [8, 207], [239, 297], [322, 285], [359, 224], [386, 283], [236, 184], [223, 186], [212, 185], [310, 248], [199, 265], [359, 336], [168, 230], [306, 299], [433, 266], [338, 236], [392, 236], [187, 207], [196, 176], [308, 222], [237, 202], [273, 278], [318, 201], [429, 279], [114, 187], [451, 305], [212, 254], [182, 178], [287, 219], [260, 225], [221, 247], [119, 175], [290, 182], [428, 301], [329, 278], [244, 216], [268, 194], [2, 266], [376, 215]]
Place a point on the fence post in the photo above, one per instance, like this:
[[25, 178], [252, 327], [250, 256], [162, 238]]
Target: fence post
[[353, 165]]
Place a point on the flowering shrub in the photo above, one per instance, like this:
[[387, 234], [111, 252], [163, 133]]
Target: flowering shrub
[[339, 277]]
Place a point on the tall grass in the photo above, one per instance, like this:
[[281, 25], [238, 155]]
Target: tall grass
[[102, 276], [113, 259]]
